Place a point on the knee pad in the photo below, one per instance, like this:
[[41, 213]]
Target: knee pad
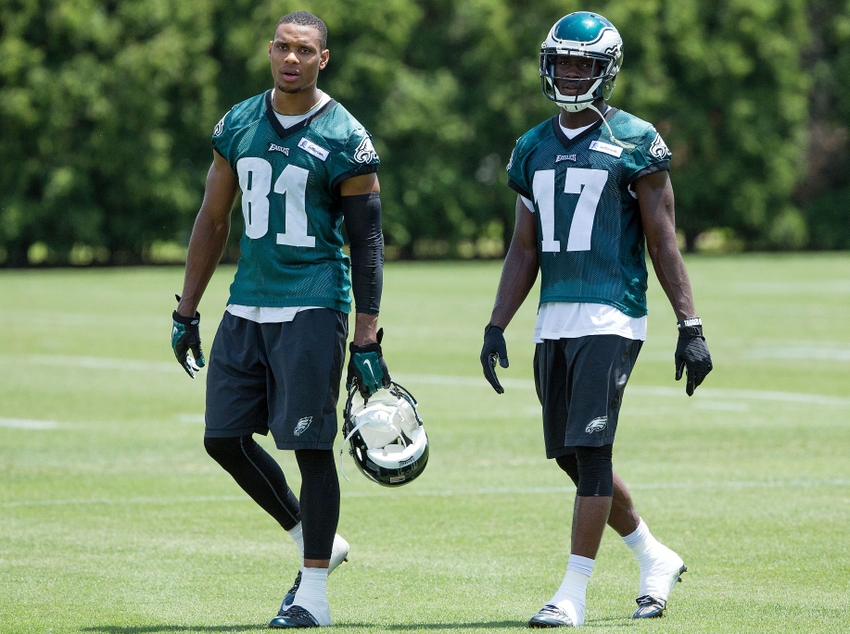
[[569, 465], [223, 450], [230, 452], [315, 462], [596, 471]]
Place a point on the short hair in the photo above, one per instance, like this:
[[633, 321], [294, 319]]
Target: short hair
[[304, 18]]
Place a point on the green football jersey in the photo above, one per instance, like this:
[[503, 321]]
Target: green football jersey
[[590, 238], [291, 247]]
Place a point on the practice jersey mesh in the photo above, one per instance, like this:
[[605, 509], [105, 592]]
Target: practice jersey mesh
[[590, 238], [291, 247]]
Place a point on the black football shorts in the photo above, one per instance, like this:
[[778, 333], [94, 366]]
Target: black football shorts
[[282, 377], [580, 384]]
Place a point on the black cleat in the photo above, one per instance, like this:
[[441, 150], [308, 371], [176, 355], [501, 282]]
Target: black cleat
[[290, 596], [551, 616], [650, 607], [292, 617]]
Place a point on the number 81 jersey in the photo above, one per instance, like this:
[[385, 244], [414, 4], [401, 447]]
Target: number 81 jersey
[[590, 239], [291, 247]]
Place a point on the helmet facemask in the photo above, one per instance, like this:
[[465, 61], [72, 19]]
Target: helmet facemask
[[386, 436], [576, 93]]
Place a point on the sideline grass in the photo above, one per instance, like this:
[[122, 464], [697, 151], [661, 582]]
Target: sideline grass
[[114, 521]]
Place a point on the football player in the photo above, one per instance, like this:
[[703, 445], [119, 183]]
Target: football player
[[593, 193], [304, 166]]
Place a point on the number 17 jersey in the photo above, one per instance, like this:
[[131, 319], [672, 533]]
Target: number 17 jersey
[[291, 248], [590, 239]]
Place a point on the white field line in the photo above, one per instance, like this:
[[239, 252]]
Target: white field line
[[729, 485], [411, 380], [800, 354], [644, 390], [23, 423], [93, 363]]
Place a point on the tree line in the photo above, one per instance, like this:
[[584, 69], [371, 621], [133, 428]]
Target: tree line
[[107, 107]]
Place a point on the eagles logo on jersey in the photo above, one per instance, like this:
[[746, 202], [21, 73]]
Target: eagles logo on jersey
[[365, 152], [659, 149], [219, 127]]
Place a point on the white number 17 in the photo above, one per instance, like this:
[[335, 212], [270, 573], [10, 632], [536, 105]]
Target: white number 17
[[588, 184]]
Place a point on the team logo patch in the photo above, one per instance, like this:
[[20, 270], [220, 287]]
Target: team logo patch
[[219, 127], [606, 148], [278, 148], [302, 425], [597, 424], [365, 152], [311, 148], [659, 149], [566, 157], [510, 163]]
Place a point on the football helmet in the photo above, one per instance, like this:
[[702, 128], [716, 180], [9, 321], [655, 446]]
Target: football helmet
[[588, 36], [386, 436]]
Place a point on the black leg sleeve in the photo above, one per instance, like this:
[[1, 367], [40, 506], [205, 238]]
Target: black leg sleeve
[[259, 475], [319, 501], [569, 464], [595, 471]]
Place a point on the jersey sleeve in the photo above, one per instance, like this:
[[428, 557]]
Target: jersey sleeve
[[358, 156], [650, 155], [222, 136], [517, 168]]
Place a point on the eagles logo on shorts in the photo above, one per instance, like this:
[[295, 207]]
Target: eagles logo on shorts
[[597, 424], [302, 425]]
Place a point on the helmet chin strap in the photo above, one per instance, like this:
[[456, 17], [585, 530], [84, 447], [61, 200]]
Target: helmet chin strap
[[627, 146]]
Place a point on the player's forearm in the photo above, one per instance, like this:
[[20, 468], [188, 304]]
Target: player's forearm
[[362, 216], [518, 276], [673, 277], [206, 247]]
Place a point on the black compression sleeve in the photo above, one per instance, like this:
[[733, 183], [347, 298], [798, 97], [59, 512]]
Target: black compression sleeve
[[259, 475], [362, 216]]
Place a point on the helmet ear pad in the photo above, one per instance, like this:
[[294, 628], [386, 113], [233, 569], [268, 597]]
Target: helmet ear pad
[[386, 437]]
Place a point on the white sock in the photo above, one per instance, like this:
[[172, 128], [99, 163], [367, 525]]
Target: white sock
[[641, 542], [312, 594], [657, 562], [571, 596], [295, 534], [646, 548]]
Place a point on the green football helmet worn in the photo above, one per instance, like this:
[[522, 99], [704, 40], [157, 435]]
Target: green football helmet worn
[[581, 35]]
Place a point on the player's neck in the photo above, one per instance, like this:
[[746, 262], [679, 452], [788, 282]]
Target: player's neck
[[297, 103], [584, 117]]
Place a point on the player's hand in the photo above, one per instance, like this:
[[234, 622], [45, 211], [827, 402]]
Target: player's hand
[[367, 368], [494, 350], [186, 342], [692, 353]]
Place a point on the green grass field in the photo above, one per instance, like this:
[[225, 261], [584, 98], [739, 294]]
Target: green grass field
[[113, 520]]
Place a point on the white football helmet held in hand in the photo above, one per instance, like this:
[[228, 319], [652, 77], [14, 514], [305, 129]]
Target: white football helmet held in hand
[[386, 436]]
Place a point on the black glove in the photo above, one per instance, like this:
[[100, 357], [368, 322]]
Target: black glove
[[692, 353], [494, 349], [185, 336], [367, 368]]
